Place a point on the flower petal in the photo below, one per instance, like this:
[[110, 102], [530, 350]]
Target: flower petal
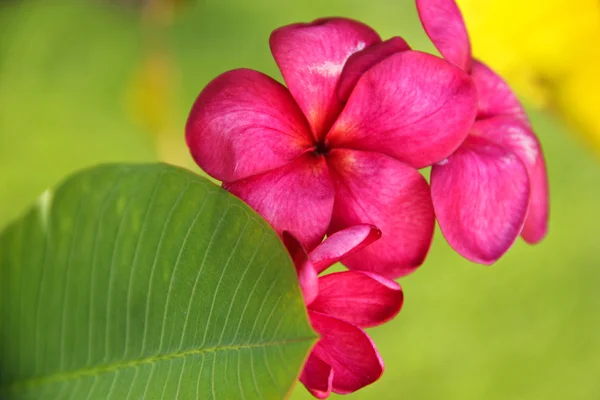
[[480, 195], [297, 198], [536, 224], [350, 352], [244, 123], [311, 58], [444, 24], [361, 298], [307, 275], [317, 376], [495, 96], [412, 106], [376, 189], [342, 244], [362, 61], [516, 136]]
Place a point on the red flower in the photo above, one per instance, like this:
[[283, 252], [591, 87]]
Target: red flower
[[341, 144], [339, 305], [495, 186]]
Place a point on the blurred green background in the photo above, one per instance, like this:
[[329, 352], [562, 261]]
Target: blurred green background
[[85, 82]]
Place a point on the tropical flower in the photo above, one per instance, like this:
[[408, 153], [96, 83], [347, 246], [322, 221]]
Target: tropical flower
[[341, 144], [339, 305], [494, 187]]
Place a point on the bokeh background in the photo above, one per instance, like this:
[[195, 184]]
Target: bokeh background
[[90, 81]]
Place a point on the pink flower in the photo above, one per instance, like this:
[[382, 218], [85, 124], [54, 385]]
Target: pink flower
[[495, 186], [339, 305], [341, 144]]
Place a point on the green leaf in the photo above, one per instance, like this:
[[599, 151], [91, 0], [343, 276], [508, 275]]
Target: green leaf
[[147, 281]]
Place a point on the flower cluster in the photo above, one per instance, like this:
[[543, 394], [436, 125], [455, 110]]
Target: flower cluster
[[338, 151], [339, 306], [494, 186]]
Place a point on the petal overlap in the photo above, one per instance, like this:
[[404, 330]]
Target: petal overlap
[[344, 359], [360, 298], [317, 376], [495, 96], [446, 28], [411, 106], [360, 62], [297, 198], [348, 350], [245, 123], [516, 135], [307, 274], [480, 195], [311, 58], [343, 243], [375, 189]]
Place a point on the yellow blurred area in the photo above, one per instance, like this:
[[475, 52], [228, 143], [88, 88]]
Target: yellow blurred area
[[547, 50], [152, 94]]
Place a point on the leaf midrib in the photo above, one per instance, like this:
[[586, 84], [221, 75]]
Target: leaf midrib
[[108, 368]]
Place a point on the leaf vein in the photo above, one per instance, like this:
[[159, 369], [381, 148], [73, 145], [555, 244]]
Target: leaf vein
[[151, 360]]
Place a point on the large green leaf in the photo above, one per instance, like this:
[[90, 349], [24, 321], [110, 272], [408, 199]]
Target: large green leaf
[[147, 282]]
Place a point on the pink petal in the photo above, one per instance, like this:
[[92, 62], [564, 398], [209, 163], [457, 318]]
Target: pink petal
[[362, 61], [343, 243], [350, 352], [412, 106], [363, 299], [311, 58], [307, 275], [297, 198], [480, 195], [536, 224], [495, 96], [516, 136], [376, 189], [317, 376], [446, 28], [244, 123]]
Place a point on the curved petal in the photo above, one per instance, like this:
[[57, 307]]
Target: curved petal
[[536, 224], [444, 24], [362, 61], [343, 243], [307, 275], [480, 195], [317, 376], [516, 135], [412, 106], [350, 352], [297, 198], [495, 96], [244, 123], [376, 189], [362, 298], [311, 58]]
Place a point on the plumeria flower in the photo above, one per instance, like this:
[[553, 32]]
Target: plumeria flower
[[339, 305], [495, 186], [341, 144]]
